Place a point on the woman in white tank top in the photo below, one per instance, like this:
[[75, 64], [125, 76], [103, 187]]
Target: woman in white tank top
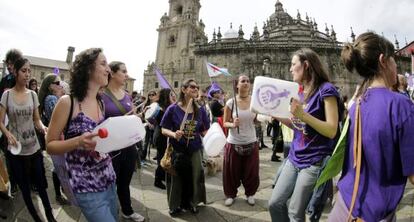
[[241, 154]]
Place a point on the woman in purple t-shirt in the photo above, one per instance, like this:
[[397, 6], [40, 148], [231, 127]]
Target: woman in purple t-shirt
[[186, 189], [315, 125], [118, 103], [386, 124]]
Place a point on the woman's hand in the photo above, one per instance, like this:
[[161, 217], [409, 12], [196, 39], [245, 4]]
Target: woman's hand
[[296, 109], [236, 122], [11, 139], [86, 141], [43, 130], [178, 134]]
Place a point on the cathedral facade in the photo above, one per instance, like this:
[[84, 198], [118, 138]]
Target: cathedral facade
[[183, 49]]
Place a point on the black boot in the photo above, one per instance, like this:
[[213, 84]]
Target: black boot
[[275, 158], [50, 217], [159, 184]]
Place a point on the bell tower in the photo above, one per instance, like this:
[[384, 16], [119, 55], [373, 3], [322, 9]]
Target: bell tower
[[178, 32]]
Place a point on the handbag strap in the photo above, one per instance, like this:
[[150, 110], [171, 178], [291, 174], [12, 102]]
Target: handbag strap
[[120, 107], [357, 157], [69, 117]]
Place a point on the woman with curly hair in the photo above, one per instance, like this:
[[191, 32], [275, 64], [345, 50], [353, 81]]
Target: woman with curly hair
[[92, 177]]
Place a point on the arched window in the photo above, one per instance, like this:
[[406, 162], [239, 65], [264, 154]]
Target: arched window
[[171, 40], [179, 10]]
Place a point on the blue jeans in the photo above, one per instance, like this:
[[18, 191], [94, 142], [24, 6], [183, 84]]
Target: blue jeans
[[294, 184], [100, 206]]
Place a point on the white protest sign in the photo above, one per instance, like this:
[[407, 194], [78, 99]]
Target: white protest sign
[[272, 96]]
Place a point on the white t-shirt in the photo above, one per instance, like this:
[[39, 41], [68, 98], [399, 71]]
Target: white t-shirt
[[247, 128], [21, 120]]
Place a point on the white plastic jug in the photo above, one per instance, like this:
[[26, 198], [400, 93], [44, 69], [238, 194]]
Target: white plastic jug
[[123, 131], [214, 140], [264, 118], [272, 96]]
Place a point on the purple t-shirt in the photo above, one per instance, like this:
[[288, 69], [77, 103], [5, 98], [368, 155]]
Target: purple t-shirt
[[111, 109], [387, 120], [172, 120], [311, 147]]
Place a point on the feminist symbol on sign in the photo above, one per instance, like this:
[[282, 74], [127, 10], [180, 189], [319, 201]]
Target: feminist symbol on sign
[[269, 96]]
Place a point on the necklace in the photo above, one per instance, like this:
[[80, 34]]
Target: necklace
[[244, 97]]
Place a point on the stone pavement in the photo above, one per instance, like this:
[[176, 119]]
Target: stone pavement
[[151, 201]]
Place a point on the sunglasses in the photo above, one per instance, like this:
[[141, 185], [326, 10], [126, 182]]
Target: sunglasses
[[56, 82], [152, 94], [193, 87]]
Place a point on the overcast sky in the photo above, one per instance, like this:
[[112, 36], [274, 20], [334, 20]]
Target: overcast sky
[[126, 29]]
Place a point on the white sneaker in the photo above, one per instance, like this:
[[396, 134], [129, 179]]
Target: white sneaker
[[250, 200], [134, 217], [229, 201]]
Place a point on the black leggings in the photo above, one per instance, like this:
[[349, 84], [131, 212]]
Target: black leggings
[[124, 162], [56, 184], [30, 170]]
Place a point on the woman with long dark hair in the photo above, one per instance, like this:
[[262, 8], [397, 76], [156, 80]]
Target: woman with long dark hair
[[165, 98], [33, 85], [241, 154], [315, 123], [49, 93], [91, 175], [118, 103], [383, 122], [152, 97], [186, 189], [21, 106]]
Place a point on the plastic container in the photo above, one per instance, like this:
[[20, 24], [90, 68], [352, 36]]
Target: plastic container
[[214, 140], [123, 131], [272, 96], [152, 112], [15, 150], [263, 118]]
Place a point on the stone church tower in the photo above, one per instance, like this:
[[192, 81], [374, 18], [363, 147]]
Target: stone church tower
[[178, 33]]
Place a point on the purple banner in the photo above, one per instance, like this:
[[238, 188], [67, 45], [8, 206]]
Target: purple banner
[[161, 79]]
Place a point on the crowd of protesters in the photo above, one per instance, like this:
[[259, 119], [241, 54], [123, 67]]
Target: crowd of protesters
[[49, 120]]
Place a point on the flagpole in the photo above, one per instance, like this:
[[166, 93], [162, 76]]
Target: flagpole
[[412, 61], [235, 101]]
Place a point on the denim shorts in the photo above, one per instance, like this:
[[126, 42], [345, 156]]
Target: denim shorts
[[99, 206]]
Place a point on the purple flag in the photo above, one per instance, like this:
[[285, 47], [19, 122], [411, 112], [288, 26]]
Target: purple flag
[[161, 79]]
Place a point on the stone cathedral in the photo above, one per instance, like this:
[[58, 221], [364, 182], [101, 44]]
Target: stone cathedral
[[183, 48]]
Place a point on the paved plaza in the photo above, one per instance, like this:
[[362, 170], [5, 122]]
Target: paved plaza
[[151, 201]]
